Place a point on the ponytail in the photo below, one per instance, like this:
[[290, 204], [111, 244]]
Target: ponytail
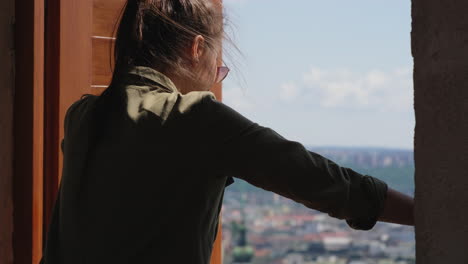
[[113, 99]]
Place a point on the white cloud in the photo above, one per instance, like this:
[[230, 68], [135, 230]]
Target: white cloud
[[289, 91], [374, 89], [314, 74], [376, 78]]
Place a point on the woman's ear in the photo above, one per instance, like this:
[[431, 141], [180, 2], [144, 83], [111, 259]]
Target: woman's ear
[[198, 48]]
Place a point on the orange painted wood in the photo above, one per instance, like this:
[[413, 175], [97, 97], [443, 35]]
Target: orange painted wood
[[97, 90], [104, 25], [217, 252], [75, 57], [28, 131], [67, 77], [105, 16], [102, 61], [38, 131]]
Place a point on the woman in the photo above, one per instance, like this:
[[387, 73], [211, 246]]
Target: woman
[[146, 163]]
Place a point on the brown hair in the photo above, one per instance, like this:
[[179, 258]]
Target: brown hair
[[154, 33]]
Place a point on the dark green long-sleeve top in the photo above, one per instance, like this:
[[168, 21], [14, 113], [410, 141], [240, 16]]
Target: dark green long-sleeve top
[[154, 184]]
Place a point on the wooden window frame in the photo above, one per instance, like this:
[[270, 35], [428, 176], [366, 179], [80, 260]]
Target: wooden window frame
[[28, 132]]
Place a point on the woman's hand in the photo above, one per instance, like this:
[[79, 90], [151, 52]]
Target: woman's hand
[[398, 208]]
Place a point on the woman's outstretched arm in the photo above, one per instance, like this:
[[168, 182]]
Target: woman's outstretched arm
[[398, 208], [244, 149]]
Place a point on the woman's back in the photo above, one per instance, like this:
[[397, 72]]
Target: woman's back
[[146, 193]]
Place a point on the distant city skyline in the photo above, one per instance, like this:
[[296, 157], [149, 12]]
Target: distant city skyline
[[325, 73]]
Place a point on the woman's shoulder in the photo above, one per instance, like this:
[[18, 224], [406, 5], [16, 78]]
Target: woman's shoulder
[[84, 100], [206, 104], [202, 106], [194, 99], [78, 112], [214, 114], [81, 105], [166, 105]]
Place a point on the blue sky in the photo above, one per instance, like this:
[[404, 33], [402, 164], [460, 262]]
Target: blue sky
[[324, 73]]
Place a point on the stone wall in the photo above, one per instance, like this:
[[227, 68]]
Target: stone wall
[[439, 42]]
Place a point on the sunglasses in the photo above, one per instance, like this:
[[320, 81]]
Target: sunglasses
[[221, 73]]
